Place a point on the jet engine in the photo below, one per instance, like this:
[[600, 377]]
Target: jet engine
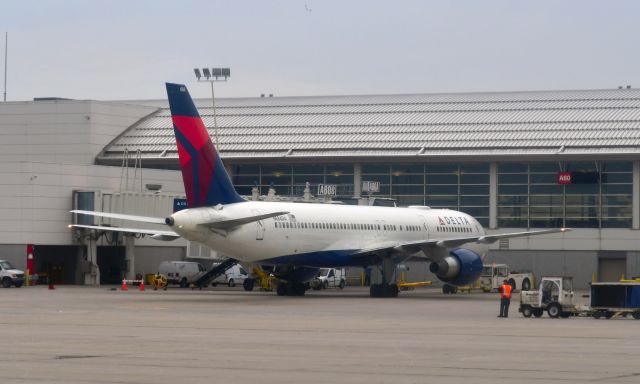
[[460, 267]]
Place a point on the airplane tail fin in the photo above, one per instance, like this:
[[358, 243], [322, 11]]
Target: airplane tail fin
[[206, 181]]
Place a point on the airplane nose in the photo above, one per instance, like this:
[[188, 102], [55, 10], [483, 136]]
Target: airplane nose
[[169, 221]]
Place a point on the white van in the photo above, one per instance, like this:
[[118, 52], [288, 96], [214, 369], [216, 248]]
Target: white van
[[330, 278], [232, 276], [181, 272], [10, 276]]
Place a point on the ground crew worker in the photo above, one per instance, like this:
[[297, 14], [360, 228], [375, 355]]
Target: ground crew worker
[[505, 299]]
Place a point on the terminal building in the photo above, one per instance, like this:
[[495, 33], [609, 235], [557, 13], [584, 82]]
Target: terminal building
[[514, 160]]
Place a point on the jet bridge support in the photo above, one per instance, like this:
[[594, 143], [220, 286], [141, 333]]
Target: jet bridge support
[[92, 271]]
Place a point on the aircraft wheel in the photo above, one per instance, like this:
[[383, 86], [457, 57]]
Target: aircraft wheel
[[295, 289], [391, 290]]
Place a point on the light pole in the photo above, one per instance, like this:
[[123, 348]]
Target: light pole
[[212, 75]]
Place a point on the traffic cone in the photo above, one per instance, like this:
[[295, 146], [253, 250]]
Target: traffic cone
[[141, 285], [124, 286]]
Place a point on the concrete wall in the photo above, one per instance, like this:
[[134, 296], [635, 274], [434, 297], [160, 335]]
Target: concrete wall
[[148, 258], [16, 254], [35, 198], [64, 131]]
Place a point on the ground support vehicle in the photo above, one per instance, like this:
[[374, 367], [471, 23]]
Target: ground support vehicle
[[615, 299], [183, 273], [410, 286], [555, 295], [330, 278], [493, 276], [10, 276], [232, 275]]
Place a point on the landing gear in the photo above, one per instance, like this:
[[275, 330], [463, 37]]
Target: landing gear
[[386, 289], [291, 289], [383, 290], [248, 284]]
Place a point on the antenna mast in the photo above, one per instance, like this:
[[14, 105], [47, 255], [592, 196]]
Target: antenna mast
[[6, 44]]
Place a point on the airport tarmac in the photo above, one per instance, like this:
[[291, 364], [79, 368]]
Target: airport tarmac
[[95, 335]]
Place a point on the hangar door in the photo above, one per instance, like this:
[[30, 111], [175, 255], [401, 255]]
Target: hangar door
[[611, 269]]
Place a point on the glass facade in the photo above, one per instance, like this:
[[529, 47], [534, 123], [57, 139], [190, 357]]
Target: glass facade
[[530, 195], [290, 179], [463, 187]]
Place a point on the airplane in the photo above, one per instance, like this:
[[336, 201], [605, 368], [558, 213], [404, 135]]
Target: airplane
[[297, 239]]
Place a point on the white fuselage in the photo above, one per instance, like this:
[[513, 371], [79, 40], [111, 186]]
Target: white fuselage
[[320, 230]]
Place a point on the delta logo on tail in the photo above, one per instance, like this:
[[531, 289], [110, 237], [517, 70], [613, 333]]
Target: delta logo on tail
[[205, 181]]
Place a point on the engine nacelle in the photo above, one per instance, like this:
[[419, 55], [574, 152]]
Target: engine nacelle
[[461, 267]]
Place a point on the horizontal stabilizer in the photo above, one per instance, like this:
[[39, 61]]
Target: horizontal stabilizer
[[228, 224], [121, 216], [155, 234]]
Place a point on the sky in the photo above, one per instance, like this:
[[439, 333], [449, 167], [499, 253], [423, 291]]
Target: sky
[[127, 49]]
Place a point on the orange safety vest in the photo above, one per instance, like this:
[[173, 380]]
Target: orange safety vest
[[506, 291]]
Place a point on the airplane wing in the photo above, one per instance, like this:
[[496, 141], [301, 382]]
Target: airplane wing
[[227, 224], [417, 246], [155, 234], [142, 219]]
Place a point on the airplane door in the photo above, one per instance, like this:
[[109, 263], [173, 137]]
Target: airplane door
[[425, 226], [259, 226], [380, 228]]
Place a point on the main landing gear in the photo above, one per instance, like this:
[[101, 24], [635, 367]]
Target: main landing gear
[[383, 290], [388, 272], [291, 289]]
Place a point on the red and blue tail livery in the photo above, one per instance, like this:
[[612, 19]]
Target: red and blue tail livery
[[206, 182]]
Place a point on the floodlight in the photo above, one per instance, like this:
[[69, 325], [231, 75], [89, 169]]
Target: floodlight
[[212, 75]]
